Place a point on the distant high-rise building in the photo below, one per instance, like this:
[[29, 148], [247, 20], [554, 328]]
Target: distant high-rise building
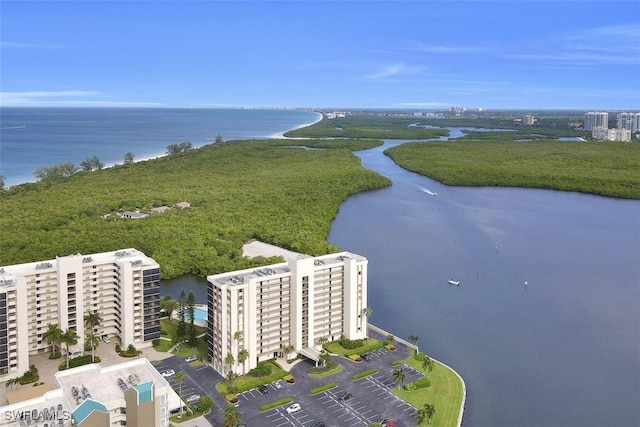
[[596, 119], [629, 121], [528, 119]]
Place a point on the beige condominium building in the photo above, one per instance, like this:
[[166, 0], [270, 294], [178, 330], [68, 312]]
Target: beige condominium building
[[123, 287], [292, 304], [132, 393]]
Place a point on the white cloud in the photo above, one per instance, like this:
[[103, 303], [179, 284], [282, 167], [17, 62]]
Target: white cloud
[[64, 98], [393, 70], [22, 45]]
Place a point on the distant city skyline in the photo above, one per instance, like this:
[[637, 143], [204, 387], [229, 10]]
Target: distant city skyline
[[577, 55]]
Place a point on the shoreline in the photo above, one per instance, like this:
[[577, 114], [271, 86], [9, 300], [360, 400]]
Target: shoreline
[[148, 157]]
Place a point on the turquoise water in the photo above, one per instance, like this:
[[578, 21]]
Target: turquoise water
[[200, 314], [38, 137]]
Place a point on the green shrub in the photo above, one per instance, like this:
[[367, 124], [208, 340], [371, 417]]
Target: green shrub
[[275, 404], [350, 344], [396, 362], [363, 374], [423, 382], [322, 388], [54, 356], [262, 370], [78, 361]]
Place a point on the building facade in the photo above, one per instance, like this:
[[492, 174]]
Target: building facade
[[263, 311], [528, 119], [123, 287], [596, 119], [604, 134], [629, 121]]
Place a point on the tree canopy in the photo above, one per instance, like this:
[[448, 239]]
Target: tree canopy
[[283, 192]]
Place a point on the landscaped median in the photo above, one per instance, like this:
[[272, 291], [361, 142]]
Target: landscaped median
[[446, 393], [322, 388], [276, 404]]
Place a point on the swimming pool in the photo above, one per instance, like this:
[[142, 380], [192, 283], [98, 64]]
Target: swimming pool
[[199, 315]]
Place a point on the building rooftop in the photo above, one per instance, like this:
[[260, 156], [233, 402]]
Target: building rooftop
[[244, 276], [8, 273], [91, 387]]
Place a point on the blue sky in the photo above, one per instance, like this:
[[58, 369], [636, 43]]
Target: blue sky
[[357, 54]]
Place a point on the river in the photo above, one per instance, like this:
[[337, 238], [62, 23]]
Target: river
[[545, 324], [561, 350]]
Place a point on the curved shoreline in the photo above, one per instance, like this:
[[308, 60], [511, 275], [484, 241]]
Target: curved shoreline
[[463, 403]]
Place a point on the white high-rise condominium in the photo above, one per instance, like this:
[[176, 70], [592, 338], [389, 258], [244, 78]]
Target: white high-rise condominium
[[291, 305], [122, 287], [629, 121], [596, 119]]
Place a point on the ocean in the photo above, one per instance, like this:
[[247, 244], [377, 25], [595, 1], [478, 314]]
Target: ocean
[[36, 137]]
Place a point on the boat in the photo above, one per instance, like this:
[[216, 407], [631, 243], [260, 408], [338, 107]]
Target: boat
[[454, 282]]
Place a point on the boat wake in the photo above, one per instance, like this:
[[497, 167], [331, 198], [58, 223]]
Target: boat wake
[[13, 127], [426, 190]]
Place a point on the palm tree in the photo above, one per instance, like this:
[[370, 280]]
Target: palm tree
[[288, 350], [429, 410], [94, 340], [229, 360], [421, 416], [414, 340], [237, 336], [367, 312], [53, 335], [231, 417], [322, 341], [324, 358], [91, 320], [231, 380], [428, 364], [399, 375], [390, 339], [243, 355], [69, 337], [169, 305], [179, 380]]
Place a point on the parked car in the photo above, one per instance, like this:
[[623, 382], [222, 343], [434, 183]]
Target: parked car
[[193, 398], [168, 373], [345, 396], [293, 408], [318, 424], [365, 356], [277, 384], [263, 389], [190, 359], [106, 339]]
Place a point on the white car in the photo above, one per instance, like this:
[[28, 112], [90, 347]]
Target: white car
[[106, 339], [168, 373], [191, 359], [193, 398], [293, 408], [277, 384]]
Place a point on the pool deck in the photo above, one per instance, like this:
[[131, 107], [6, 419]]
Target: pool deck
[[196, 322]]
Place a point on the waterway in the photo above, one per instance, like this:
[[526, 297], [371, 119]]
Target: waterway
[[544, 326]]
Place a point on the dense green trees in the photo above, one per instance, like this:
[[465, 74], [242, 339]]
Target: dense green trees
[[605, 168], [92, 163], [270, 190], [128, 157], [183, 147]]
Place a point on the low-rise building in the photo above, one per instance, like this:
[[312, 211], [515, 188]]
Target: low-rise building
[[132, 393], [604, 134]]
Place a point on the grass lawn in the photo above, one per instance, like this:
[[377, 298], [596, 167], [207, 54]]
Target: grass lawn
[[328, 373], [163, 345], [334, 347], [445, 393], [246, 382]]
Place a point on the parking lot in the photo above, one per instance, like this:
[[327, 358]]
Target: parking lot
[[351, 403]]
